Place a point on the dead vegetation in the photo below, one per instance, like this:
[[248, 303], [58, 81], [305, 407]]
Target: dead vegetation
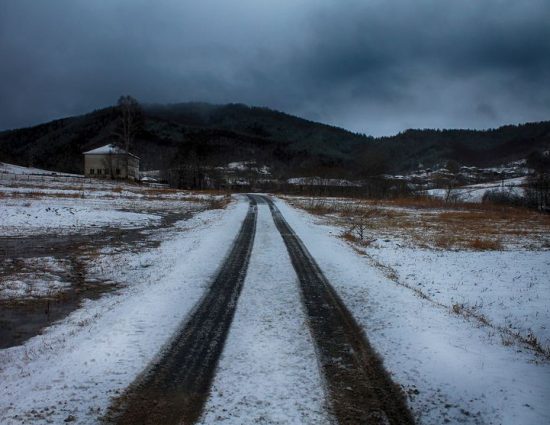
[[40, 195], [209, 199], [218, 203], [434, 223], [508, 335]]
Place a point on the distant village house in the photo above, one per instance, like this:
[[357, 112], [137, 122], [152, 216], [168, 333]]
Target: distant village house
[[112, 162]]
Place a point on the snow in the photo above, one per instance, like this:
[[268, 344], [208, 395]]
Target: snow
[[453, 369], [475, 192], [110, 149], [31, 288], [241, 166], [16, 169], [27, 283], [320, 181], [509, 288], [21, 217], [55, 207], [268, 371], [247, 166], [77, 365]]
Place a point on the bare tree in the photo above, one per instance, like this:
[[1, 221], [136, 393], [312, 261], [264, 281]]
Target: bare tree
[[129, 123], [360, 220]]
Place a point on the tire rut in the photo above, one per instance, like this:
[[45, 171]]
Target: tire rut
[[173, 390], [360, 390]]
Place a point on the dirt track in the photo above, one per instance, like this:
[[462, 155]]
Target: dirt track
[[174, 389], [359, 388]]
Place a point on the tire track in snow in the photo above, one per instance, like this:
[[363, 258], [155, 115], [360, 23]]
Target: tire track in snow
[[268, 371], [359, 388], [174, 389]]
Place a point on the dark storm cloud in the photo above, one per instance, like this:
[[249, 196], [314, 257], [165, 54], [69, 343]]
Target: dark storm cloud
[[372, 66], [432, 64]]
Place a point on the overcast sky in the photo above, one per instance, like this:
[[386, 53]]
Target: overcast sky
[[372, 66]]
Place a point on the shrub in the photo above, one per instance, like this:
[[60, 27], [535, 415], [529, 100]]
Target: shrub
[[218, 203]]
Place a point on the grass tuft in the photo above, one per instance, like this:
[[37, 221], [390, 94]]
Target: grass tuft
[[485, 245]]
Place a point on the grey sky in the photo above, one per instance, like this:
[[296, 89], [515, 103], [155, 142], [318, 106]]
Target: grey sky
[[373, 66]]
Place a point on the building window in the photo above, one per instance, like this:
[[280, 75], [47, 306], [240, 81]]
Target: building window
[[118, 171], [99, 171], [106, 171], [92, 171]]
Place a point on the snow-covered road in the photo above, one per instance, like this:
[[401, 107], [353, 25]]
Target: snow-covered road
[[268, 372]]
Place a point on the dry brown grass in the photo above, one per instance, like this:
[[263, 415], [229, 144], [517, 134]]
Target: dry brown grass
[[446, 241], [430, 203], [218, 203], [430, 222], [161, 191], [321, 207], [115, 192], [216, 192], [485, 244], [417, 202], [350, 237], [39, 195]]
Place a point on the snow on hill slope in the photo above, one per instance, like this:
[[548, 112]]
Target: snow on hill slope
[[16, 169], [475, 192]]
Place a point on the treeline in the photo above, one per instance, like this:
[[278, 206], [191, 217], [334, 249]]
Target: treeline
[[538, 184]]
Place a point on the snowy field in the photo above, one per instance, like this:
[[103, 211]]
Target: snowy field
[[507, 289], [56, 207], [475, 192], [21, 217], [55, 217], [485, 361], [462, 328], [44, 283]]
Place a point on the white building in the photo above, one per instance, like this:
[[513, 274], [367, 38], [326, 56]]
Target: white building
[[111, 161]]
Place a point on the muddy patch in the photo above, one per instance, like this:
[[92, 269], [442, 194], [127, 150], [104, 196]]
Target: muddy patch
[[28, 310], [44, 278], [23, 319], [65, 245]]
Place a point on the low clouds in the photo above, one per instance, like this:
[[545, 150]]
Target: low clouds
[[372, 66]]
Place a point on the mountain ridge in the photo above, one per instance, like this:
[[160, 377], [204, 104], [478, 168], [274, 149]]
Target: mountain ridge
[[290, 145]]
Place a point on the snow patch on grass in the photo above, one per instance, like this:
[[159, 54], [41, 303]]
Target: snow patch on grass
[[509, 289], [19, 217]]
